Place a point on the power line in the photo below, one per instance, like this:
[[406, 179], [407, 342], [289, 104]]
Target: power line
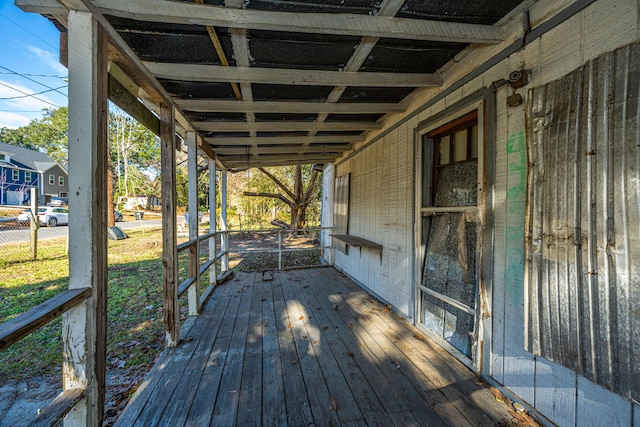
[[37, 93], [23, 28], [29, 94], [35, 75], [33, 80], [21, 111]]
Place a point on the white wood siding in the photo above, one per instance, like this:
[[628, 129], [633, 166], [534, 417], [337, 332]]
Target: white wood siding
[[382, 208]]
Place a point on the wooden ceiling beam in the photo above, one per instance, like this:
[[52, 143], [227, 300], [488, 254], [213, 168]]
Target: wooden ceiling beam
[[282, 140], [287, 107], [321, 23], [284, 126], [309, 158], [334, 149], [283, 76]]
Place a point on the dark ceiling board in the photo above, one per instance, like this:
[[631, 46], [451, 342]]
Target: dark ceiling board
[[361, 7], [353, 117], [375, 94], [198, 90], [473, 12], [389, 56], [272, 49], [268, 92], [329, 133], [134, 26], [214, 115], [188, 48], [284, 116], [292, 133], [225, 134]]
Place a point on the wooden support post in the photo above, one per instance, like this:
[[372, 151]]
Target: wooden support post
[[223, 225], [84, 327], [34, 223], [213, 274], [194, 252], [279, 249], [169, 232]]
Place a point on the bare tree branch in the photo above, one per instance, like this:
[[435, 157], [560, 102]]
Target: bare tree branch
[[271, 195], [278, 183], [312, 182]]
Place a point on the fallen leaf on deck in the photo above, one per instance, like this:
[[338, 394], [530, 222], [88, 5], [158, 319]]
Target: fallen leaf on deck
[[233, 391], [294, 362], [301, 318], [333, 402]]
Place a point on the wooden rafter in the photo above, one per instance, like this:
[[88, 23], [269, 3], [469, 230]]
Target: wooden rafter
[[278, 140], [288, 149], [283, 126], [283, 76], [321, 23], [291, 107], [220, 52]]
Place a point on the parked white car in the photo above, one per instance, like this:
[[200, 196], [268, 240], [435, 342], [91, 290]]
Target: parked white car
[[52, 216], [24, 217]]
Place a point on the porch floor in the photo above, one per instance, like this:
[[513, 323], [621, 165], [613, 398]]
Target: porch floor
[[308, 347]]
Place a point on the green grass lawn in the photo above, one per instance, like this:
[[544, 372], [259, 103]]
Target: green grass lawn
[[135, 331]]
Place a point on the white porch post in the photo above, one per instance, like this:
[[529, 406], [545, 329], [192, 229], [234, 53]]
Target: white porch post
[[84, 327], [194, 251], [169, 231], [223, 226], [213, 273]]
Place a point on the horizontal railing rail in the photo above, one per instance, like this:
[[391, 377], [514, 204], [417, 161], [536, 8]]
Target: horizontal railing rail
[[19, 327], [25, 324]]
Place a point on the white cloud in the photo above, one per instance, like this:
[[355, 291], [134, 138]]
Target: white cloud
[[21, 101], [49, 59], [10, 109], [12, 120]]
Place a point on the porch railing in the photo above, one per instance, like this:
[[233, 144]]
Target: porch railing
[[281, 244], [25, 324]]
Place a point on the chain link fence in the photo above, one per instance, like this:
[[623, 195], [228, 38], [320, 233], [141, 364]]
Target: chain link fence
[[15, 235]]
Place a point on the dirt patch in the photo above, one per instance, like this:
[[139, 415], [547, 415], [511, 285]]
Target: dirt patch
[[20, 401]]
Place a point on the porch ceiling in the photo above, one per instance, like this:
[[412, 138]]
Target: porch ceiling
[[293, 81]]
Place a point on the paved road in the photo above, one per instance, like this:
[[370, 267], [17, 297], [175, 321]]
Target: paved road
[[22, 234]]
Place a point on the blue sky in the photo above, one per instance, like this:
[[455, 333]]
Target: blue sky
[[29, 65]]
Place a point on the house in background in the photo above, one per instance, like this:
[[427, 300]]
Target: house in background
[[480, 173], [22, 169]]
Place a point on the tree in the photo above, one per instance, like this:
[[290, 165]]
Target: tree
[[135, 154], [290, 181], [48, 134]]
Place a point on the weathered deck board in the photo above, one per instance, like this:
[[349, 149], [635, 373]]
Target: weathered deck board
[[309, 347]]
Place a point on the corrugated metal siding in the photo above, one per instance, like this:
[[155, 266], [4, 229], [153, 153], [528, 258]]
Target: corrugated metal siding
[[583, 232]]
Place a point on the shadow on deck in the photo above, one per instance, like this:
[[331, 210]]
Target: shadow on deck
[[309, 347]]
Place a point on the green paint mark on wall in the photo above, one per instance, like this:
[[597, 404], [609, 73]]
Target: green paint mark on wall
[[516, 208]]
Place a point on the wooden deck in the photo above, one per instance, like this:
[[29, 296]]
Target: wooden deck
[[309, 347]]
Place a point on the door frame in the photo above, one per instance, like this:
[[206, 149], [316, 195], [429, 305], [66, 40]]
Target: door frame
[[482, 101]]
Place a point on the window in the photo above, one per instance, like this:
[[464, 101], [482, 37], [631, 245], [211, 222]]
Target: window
[[341, 211], [27, 177], [61, 180], [15, 175], [3, 157], [456, 142], [52, 180]]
